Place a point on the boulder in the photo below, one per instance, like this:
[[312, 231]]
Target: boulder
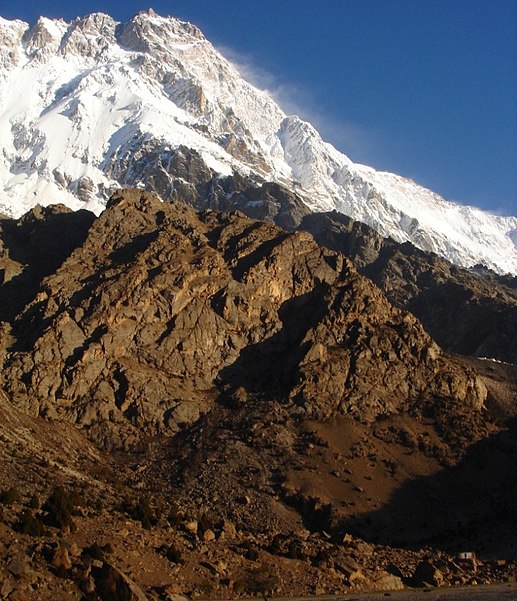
[[111, 583], [427, 574]]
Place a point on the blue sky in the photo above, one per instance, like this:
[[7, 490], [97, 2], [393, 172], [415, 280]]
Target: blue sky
[[423, 88]]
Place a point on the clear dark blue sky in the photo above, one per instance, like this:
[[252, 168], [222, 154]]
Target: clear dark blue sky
[[427, 89]]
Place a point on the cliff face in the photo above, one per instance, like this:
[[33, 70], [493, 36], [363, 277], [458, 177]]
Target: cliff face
[[162, 311]]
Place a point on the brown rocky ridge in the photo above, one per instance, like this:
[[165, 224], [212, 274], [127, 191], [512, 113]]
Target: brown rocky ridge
[[472, 312], [226, 409], [469, 312]]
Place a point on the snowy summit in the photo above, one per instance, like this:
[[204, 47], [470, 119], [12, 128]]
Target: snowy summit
[[92, 105]]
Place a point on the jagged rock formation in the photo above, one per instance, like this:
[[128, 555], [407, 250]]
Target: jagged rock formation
[[233, 409], [139, 104], [34, 247], [162, 310], [469, 312]]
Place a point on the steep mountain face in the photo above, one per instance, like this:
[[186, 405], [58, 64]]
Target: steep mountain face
[[161, 311], [469, 312], [92, 105]]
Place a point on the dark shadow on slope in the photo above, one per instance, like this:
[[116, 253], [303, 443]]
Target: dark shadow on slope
[[79, 352], [470, 312], [466, 322], [126, 253], [270, 367], [255, 256], [230, 246], [40, 242], [472, 506]]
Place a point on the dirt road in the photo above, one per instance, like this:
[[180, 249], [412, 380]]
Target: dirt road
[[498, 592]]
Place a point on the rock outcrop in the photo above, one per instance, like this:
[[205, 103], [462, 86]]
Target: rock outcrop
[[182, 175], [161, 311]]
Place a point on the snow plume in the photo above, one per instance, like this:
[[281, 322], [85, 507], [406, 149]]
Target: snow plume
[[357, 140]]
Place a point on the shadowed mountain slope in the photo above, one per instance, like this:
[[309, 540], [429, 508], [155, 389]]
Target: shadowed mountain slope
[[469, 312]]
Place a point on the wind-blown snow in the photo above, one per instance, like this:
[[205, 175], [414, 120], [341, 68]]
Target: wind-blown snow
[[78, 99]]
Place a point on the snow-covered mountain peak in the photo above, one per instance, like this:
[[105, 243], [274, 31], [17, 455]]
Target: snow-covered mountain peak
[[44, 38], [148, 32], [11, 33], [93, 104]]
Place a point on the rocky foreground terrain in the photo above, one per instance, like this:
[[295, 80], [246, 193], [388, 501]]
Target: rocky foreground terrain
[[200, 404]]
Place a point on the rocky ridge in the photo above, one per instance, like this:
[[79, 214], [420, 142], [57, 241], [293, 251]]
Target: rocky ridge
[[161, 310], [468, 312]]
